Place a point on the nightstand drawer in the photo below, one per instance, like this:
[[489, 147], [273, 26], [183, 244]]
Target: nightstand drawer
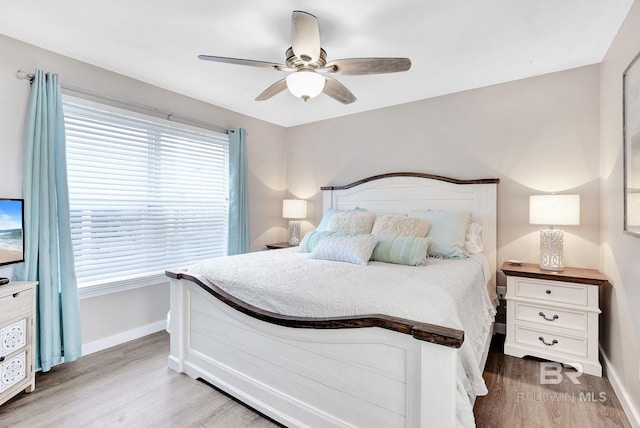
[[551, 342], [553, 317], [13, 337], [16, 304], [552, 291], [12, 371]]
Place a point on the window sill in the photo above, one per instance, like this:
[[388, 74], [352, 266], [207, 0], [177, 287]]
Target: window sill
[[117, 285]]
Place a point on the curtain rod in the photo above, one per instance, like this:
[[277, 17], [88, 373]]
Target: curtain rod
[[21, 75]]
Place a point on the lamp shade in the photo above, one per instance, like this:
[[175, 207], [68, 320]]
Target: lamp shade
[[554, 210], [305, 84], [294, 208]]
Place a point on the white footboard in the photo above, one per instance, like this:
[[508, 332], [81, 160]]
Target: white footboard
[[350, 377]]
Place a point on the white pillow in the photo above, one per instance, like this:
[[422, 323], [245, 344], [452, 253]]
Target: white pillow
[[355, 249], [328, 214], [474, 239], [354, 222], [448, 232], [400, 225]]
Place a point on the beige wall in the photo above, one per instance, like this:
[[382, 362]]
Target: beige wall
[[537, 135], [111, 315], [620, 252]]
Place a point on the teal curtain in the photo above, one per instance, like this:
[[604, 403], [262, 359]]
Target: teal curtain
[[238, 193], [48, 250]]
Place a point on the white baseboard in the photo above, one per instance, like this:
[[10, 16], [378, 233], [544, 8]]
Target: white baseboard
[[125, 336], [618, 387]]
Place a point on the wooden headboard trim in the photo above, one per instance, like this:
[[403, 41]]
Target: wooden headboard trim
[[412, 174]]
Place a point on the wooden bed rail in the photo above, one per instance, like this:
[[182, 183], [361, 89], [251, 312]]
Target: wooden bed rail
[[421, 331]]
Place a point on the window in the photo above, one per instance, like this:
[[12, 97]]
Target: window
[[146, 194]]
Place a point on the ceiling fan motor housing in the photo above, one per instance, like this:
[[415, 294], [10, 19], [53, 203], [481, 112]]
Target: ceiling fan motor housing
[[294, 62]]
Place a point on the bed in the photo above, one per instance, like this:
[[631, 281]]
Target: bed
[[303, 368]]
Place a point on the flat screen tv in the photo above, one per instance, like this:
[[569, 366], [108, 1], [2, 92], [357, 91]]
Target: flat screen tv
[[11, 231]]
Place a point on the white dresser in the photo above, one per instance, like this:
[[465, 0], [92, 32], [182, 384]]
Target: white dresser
[[554, 315], [17, 338]]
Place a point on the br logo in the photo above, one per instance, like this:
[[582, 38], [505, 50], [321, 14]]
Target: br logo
[[551, 373]]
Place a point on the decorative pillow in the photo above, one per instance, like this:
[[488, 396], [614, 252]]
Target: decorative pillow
[[328, 214], [474, 239], [353, 222], [402, 250], [400, 225], [355, 249], [448, 232], [311, 239]]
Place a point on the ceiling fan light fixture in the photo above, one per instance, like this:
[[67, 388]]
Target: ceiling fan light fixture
[[306, 62], [305, 84]]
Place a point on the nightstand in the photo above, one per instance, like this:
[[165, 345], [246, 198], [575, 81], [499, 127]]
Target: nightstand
[[554, 315], [17, 338], [279, 246]]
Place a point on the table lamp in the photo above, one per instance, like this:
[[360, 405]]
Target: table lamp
[[553, 210], [294, 209]]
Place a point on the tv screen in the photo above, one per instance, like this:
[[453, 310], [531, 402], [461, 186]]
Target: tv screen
[[11, 231]]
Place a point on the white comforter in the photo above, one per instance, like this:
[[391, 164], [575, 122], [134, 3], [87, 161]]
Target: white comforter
[[450, 293]]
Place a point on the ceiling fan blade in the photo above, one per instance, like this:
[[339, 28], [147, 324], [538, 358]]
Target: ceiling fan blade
[[272, 90], [250, 62], [338, 91], [305, 36], [355, 66]]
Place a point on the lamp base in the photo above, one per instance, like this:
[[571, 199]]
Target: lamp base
[[294, 232], [551, 250]]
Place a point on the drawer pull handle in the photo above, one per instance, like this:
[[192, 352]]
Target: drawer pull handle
[[548, 291], [15, 295], [555, 317], [541, 339]]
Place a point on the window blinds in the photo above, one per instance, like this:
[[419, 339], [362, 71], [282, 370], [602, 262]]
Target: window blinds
[[146, 194]]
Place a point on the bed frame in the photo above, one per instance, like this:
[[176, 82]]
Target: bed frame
[[367, 371]]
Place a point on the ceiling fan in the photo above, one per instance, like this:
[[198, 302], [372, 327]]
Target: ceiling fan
[[307, 64]]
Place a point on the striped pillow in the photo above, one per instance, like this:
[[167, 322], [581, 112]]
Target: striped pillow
[[402, 250]]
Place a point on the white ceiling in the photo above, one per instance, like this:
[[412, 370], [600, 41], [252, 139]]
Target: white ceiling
[[454, 45]]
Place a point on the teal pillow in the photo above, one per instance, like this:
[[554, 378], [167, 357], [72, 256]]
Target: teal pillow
[[311, 239], [402, 250], [448, 232]]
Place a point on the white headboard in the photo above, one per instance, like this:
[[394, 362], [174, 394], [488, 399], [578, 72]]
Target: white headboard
[[401, 192]]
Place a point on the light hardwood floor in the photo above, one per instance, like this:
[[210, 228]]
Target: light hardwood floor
[[131, 386], [517, 398], [125, 386]]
